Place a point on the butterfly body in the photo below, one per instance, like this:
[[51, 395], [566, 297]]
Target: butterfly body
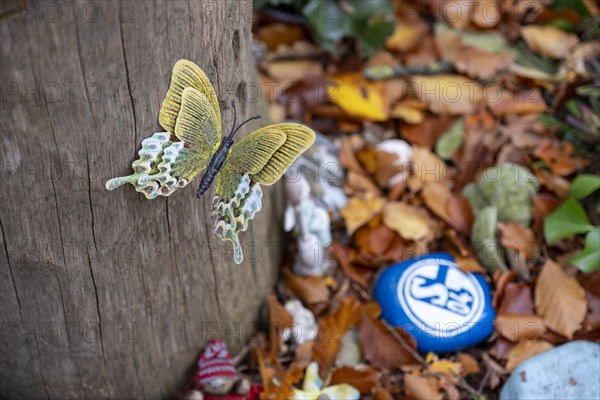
[[192, 143], [214, 165]]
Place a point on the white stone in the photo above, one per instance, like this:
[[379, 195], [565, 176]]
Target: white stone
[[570, 371]]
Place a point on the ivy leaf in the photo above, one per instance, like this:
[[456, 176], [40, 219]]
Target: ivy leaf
[[568, 219], [589, 259], [584, 185]]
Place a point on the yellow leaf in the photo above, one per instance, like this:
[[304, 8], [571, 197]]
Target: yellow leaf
[[408, 114], [359, 97], [359, 211], [410, 222], [445, 367], [448, 94], [560, 300]]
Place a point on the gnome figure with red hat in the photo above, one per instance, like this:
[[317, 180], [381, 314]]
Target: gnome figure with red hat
[[216, 377]]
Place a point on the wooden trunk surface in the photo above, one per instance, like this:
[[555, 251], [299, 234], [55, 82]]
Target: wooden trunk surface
[[107, 294]]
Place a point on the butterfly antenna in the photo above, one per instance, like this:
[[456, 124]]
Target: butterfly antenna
[[233, 128]]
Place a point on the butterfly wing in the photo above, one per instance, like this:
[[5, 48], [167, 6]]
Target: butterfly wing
[[261, 157], [186, 74], [166, 164], [264, 155]]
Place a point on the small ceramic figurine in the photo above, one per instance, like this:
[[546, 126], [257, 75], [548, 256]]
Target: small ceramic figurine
[[216, 377]]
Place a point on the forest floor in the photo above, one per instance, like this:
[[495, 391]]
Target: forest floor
[[425, 122]]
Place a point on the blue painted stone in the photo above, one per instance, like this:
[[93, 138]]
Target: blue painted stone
[[444, 308]]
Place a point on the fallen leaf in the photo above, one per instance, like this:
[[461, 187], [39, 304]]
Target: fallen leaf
[[427, 168], [278, 33], [380, 347], [451, 208], [332, 329], [410, 222], [519, 238], [480, 64], [363, 379], [558, 156], [407, 114], [524, 351], [309, 289], [560, 300], [509, 103], [358, 97], [279, 319], [361, 184], [554, 183], [549, 41], [469, 264], [427, 132], [293, 70], [448, 384], [359, 211], [445, 366], [518, 328], [422, 388], [353, 272], [486, 13], [469, 364], [406, 35], [516, 299], [448, 94]]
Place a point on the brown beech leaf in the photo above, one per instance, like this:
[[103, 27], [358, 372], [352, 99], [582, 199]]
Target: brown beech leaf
[[560, 300], [359, 211], [278, 33], [361, 184], [348, 156], [518, 238], [525, 102], [449, 207], [518, 328], [524, 351], [548, 40], [449, 94], [427, 168], [469, 364], [332, 329], [309, 289], [553, 182], [363, 379], [427, 132], [380, 347], [516, 299], [477, 63], [355, 273], [421, 388], [558, 156], [410, 222]]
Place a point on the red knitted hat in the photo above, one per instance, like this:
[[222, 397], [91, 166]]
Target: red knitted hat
[[214, 361]]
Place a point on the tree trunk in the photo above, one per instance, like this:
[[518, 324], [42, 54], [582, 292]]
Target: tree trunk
[[107, 294]]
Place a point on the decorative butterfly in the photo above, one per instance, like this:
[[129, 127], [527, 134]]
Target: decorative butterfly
[[192, 143]]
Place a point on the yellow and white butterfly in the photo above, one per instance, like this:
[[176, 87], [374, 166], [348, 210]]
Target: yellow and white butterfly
[[192, 143]]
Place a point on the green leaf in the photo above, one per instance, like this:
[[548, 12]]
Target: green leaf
[[492, 42], [451, 140], [589, 259], [568, 219], [328, 23], [369, 21], [584, 185]]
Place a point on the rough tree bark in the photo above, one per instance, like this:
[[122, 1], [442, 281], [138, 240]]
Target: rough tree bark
[[106, 294]]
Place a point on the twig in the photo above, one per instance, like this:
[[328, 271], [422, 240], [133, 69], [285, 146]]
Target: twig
[[379, 73], [404, 343]]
